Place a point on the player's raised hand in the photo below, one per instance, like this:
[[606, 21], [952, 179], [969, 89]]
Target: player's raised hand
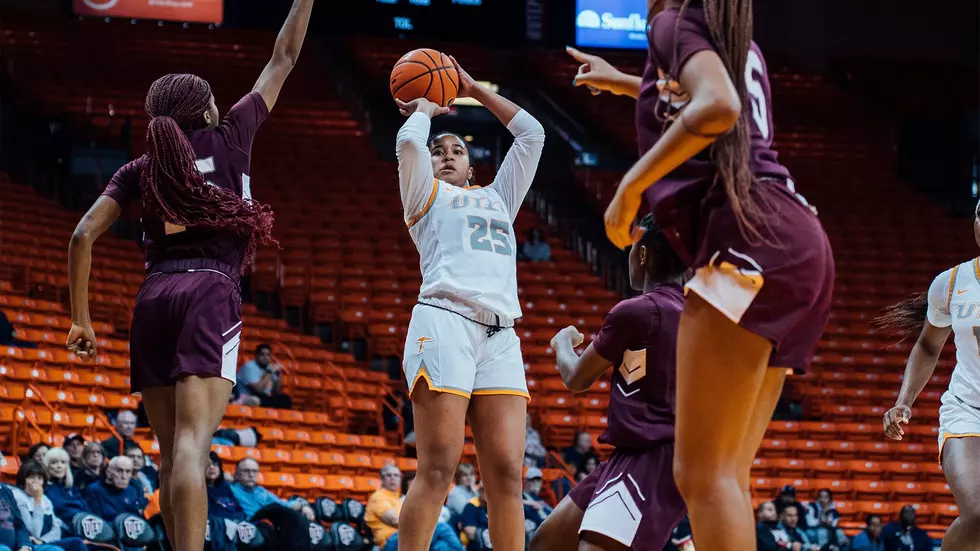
[[595, 73], [894, 419], [619, 216], [81, 340], [570, 334], [466, 82], [421, 105]]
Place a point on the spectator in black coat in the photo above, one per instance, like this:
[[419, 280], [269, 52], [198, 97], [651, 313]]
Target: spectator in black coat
[[93, 461], [221, 501], [115, 495], [904, 535]]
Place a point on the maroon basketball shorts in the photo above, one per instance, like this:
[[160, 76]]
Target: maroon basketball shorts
[[632, 498], [779, 288], [185, 323]]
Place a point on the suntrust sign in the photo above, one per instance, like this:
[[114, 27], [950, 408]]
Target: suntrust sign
[[196, 11]]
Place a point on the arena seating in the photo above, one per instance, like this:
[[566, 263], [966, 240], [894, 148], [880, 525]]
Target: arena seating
[[346, 260]]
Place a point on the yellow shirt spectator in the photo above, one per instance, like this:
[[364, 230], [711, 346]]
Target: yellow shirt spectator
[[379, 505]]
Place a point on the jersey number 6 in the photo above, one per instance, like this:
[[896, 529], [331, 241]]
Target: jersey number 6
[[489, 235]]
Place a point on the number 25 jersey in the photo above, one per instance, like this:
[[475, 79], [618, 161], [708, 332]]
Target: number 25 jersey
[[465, 236]]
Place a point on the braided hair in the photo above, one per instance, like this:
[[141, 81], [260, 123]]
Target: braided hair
[[171, 184]]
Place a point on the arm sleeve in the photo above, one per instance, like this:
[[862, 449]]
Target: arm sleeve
[[415, 179], [124, 186], [673, 49], [521, 162], [243, 120], [939, 294], [269, 498], [620, 328]]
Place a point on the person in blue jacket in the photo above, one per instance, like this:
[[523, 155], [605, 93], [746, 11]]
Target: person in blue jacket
[[13, 532], [64, 496], [222, 502], [115, 495]]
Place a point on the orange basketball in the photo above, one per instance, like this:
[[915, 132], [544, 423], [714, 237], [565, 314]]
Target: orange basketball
[[424, 73]]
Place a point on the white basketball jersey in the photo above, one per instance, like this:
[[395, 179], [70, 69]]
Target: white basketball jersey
[[468, 250], [954, 299]]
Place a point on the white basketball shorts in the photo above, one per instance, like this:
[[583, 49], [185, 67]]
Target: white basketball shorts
[[956, 420]]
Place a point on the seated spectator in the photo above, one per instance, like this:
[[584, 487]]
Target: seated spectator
[[37, 511], [262, 378], [814, 511], [827, 536], [75, 446], [904, 535], [245, 438], [586, 468], [535, 508], [35, 453], [221, 500], [125, 425], [13, 531], [534, 451], [384, 505], [253, 497], [536, 249], [789, 521], [443, 539], [474, 518], [115, 495], [145, 474], [582, 450], [681, 537], [93, 460], [869, 539], [8, 334], [65, 497], [464, 490], [787, 496]]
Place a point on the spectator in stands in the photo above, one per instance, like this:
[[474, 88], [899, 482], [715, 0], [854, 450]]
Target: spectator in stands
[[125, 425], [787, 496], [384, 506], [904, 535], [814, 511], [473, 520], [536, 249], [75, 446], [13, 532], [8, 334], [115, 495], [586, 468], [869, 539], [145, 474], [789, 523], [443, 539], [221, 500], [827, 536], [767, 523], [37, 511], [262, 378], [534, 451], [65, 497], [35, 453], [253, 497], [582, 450], [681, 537], [464, 491], [93, 460], [535, 508]]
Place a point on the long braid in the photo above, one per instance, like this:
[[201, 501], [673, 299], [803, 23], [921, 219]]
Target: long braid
[[171, 184], [730, 24]]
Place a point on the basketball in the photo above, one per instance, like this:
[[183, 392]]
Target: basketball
[[424, 73]]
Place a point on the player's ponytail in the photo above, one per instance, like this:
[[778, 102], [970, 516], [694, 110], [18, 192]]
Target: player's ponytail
[[170, 182], [904, 317], [730, 24]]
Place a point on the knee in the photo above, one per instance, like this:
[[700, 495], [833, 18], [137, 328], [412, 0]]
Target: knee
[[437, 472], [698, 481], [504, 476], [189, 454]]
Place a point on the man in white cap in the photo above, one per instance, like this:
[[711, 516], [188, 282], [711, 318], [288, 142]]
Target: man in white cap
[[535, 508]]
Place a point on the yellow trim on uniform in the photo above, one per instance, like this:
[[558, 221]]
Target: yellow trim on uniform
[[502, 392], [952, 283], [423, 374], [471, 187], [428, 205], [976, 268], [947, 436]]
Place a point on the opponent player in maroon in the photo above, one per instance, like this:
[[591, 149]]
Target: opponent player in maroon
[[629, 501], [761, 292], [201, 228]]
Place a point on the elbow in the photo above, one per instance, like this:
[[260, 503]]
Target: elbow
[[716, 113], [574, 382], [286, 56]]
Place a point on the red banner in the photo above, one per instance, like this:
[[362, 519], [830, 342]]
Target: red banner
[[197, 11]]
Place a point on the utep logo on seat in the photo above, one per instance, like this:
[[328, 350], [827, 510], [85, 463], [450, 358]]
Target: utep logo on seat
[[347, 534], [92, 527], [134, 527]]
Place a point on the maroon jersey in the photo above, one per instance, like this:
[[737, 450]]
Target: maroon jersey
[[639, 337], [223, 158], [677, 197]]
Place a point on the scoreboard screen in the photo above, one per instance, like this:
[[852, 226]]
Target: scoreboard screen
[[476, 20]]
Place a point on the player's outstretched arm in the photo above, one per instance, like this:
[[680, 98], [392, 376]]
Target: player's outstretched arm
[[578, 372], [599, 75], [284, 53], [415, 178], [98, 219]]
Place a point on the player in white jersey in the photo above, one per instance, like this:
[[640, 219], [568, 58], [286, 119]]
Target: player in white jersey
[[951, 305], [462, 356]]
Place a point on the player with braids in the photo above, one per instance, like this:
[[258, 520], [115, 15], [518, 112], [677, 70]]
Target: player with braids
[[200, 229], [763, 270], [949, 306]]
